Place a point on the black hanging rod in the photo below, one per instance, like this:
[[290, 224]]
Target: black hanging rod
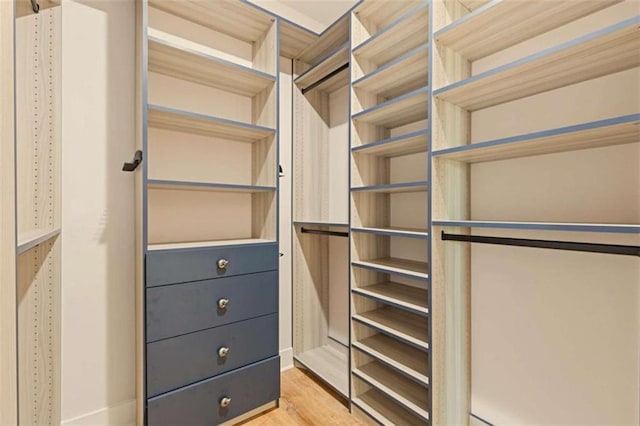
[[325, 78], [558, 245], [321, 232]]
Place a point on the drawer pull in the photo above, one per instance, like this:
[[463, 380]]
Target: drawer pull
[[222, 263], [223, 351], [224, 402], [223, 303]]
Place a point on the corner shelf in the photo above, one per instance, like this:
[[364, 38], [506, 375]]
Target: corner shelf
[[401, 296], [397, 112], [391, 188], [542, 226], [599, 53], [204, 244], [189, 122], [407, 393], [30, 239], [613, 131], [384, 13], [393, 232], [398, 324], [501, 24], [384, 410], [392, 265], [206, 186], [333, 61], [410, 143], [406, 359]]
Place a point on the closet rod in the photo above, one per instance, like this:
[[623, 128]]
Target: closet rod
[[320, 232], [325, 78], [558, 245]]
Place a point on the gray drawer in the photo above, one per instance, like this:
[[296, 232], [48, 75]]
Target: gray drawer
[[178, 266], [199, 404], [179, 361], [184, 308]]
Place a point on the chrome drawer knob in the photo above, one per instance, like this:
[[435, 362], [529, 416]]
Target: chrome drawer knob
[[224, 402], [222, 263], [223, 303], [223, 351]]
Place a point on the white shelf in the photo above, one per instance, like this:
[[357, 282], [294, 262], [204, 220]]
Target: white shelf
[[330, 364], [401, 296], [189, 122], [204, 244], [505, 23], [406, 392], [394, 322], [394, 231], [391, 265], [30, 239], [384, 410], [410, 143], [405, 109], [179, 58], [614, 131], [403, 358], [543, 226], [602, 52]]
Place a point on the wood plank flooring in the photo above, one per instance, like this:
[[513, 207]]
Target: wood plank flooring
[[305, 401]]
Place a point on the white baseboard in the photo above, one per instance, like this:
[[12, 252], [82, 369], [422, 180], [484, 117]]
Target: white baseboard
[[120, 414], [286, 359]]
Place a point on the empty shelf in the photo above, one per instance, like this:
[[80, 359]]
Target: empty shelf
[[294, 39], [603, 52], [330, 364], [401, 296], [30, 239], [399, 111], [206, 186], [384, 410], [179, 58], [394, 187], [614, 131], [402, 75], [406, 33], [320, 223], [392, 265], [326, 66], [332, 37], [189, 122], [410, 143], [382, 13], [204, 244], [502, 24], [401, 357], [393, 322], [393, 232], [543, 226], [406, 392]]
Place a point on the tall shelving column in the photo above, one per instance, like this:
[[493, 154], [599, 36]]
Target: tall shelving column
[[467, 84], [390, 339]]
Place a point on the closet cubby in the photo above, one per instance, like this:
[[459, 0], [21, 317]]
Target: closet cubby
[[381, 407]]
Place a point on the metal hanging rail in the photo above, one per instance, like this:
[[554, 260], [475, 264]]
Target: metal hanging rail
[[321, 232], [548, 244], [325, 78]]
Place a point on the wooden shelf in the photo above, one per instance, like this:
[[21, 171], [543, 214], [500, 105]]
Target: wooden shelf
[[383, 13], [384, 410], [333, 61], [294, 39], [401, 75], [406, 327], [474, 4], [189, 122], [402, 358], [179, 58], [405, 109], [394, 187], [391, 265], [401, 296], [337, 34], [321, 223], [394, 232], [602, 52], [505, 23], [410, 143], [330, 364], [614, 131], [205, 244], [30, 239], [542, 226], [406, 33], [239, 19], [406, 392], [206, 186]]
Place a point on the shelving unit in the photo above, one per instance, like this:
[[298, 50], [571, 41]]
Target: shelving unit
[[405, 109], [394, 323], [384, 409]]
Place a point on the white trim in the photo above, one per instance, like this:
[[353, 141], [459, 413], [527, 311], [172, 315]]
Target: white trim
[[286, 359]]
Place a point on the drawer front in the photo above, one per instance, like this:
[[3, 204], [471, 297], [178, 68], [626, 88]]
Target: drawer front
[[178, 266], [199, 404], [179, 361], [184, 308]]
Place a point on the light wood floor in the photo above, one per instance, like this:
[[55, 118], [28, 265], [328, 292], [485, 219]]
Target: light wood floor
[[305, 401]]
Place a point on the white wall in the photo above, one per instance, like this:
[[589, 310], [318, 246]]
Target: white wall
[[98, 370]]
